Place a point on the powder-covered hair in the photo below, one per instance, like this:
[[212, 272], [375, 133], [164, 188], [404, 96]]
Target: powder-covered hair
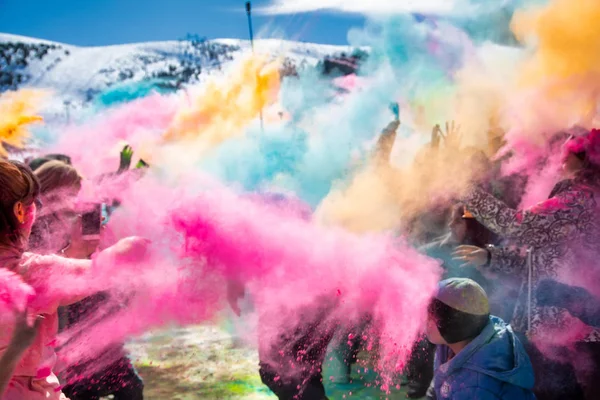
[[17, 184], [586, 147], [56, 175]]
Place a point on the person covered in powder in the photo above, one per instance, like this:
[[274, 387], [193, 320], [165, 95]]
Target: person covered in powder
[[58, 230], [559, 235], [462, 229], [291, 365], [478, 356], [36, 163], [346, 344], [291, 355], [22, 337], [34, 376]]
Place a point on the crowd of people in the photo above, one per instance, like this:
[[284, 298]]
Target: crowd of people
[[500, 302]]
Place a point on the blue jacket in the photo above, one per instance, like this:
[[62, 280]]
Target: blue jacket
[[493, 366]]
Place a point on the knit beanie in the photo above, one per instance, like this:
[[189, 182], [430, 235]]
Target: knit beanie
[[460, 309]]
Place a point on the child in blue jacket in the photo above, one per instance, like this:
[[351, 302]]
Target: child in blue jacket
[[478, 356]]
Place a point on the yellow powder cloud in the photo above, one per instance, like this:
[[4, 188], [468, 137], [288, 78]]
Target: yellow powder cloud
[[18, 110], [563, 72], [224, 108]]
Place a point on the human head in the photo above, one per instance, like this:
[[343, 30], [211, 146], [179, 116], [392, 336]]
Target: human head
[[458, 312], [19, 193], [467, 230], [581, 151], [56, 176], [38, 162], [60, 184]]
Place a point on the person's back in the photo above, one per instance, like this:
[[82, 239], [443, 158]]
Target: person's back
[[478, 356], [493, 366]]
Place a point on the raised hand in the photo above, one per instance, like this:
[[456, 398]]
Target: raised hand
[[125, 160], [471, 256], [452, 136]]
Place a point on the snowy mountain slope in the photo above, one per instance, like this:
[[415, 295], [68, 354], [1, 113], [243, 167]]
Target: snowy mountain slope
[[77, 75]]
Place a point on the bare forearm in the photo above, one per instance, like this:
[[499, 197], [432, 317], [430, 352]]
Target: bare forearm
[[8, 363]]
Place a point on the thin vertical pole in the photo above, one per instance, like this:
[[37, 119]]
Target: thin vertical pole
[[249, 14]]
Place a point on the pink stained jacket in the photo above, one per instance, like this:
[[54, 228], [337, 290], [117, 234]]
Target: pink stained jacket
[[33, 377]]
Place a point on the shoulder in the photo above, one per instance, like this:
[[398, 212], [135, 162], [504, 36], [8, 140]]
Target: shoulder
[[35, 265], [469, 384], [31, 262], [577, 194]]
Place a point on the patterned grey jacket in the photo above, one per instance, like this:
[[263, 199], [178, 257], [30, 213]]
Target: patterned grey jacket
[[558, 233]]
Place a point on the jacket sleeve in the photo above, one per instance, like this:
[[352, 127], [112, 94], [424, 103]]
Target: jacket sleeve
[[577, 300], [590, 312], [548, 222], [59, 281], [507, 260], [474, 393]]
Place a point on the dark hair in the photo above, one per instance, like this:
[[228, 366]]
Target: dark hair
[[17, 183], [454, 325], [55, 175], [38, 162], [477, 234], [59, 157]]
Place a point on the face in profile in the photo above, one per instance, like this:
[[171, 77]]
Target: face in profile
[[432, 331], [572, 164]]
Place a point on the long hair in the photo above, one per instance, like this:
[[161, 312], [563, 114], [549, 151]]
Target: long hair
[[57, 179], [477, 234], [56, 175], [17, 184]]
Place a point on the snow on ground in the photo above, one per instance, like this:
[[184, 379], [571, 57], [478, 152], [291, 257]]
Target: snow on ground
[[75, 74]]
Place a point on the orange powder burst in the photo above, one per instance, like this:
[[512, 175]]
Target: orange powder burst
[[382, 197], [224, 109], [17, 111], [564, 67]]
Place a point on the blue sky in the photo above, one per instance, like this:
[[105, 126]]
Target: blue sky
[[103, 22]]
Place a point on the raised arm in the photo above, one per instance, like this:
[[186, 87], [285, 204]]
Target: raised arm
[[386, 142], [61, 281], [548, 222]]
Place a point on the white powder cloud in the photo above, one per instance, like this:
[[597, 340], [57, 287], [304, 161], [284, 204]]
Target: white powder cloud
[[369, 7]]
